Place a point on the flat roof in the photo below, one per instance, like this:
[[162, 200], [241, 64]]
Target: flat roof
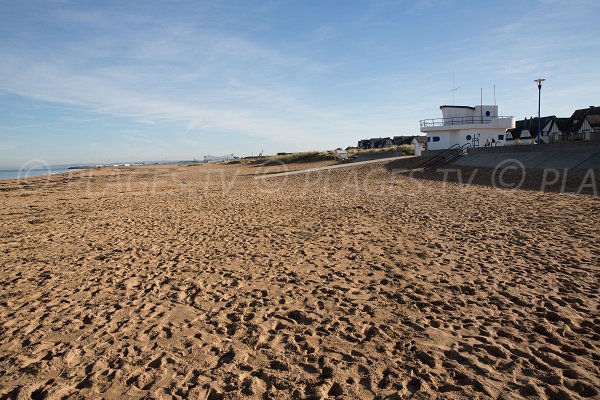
[[472, 108]]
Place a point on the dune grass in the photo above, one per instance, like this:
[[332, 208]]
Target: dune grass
[[405, 149], [293, 158], [315, 156], [372, 151], [408, 149]]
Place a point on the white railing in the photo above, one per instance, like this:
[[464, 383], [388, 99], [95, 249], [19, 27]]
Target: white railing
[[458, 121]]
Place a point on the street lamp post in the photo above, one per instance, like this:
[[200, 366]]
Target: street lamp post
[[539, 82]]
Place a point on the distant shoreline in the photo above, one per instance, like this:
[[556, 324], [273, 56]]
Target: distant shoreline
[[53, 170], [9, 174]]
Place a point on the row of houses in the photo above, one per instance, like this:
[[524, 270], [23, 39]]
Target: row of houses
[[584, 124], [380, 143], [482, 126]]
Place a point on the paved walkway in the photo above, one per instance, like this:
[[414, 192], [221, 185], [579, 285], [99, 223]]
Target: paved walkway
[[331, 167]]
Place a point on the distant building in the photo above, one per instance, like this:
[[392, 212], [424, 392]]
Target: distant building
[[559, 127], [584, 124], [526, 130], [228, 157], [459, 125], [420, 143], [400, 140], [375, 143]]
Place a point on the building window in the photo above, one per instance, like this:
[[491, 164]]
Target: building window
[[487, 113], [436, 138], [500, 137], [428, 138], [468, 137]]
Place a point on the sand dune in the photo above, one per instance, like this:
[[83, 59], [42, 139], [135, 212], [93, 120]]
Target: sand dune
[[204, 282]]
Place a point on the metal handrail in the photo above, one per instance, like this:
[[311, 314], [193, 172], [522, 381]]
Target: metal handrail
[[446, 156], [455, 154], [425, 123], [437, 157]]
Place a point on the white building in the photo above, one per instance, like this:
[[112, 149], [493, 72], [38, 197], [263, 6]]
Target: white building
[[228, 157], [420, 143], [464, 124], [586, 124]]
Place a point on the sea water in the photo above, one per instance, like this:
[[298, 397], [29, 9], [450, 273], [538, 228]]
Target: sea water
[[29, 173]]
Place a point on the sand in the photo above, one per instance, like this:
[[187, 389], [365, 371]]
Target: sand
[[205, 282]]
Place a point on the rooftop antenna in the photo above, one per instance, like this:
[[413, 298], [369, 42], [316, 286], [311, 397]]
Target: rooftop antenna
[[495, 105], [454, 89], [481, 105]]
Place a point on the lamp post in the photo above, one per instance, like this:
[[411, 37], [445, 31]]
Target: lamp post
[[539, 82]]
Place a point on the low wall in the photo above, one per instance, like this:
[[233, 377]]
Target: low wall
[[577, 155]]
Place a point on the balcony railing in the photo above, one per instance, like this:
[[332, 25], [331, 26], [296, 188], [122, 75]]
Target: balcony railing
[[458, 121]]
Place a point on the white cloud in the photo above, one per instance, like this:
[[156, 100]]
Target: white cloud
[[158, 80], [509, 29]]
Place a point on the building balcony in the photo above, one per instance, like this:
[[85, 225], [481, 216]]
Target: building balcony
[[456, 122]]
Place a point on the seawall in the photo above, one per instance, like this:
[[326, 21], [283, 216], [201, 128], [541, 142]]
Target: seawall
[[572, 155]]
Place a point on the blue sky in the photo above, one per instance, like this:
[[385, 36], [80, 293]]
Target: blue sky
[[105, 81]]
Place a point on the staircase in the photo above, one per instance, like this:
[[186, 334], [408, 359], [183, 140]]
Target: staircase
[[446, 156]]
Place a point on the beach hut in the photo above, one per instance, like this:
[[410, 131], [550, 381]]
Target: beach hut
[[420, 143]]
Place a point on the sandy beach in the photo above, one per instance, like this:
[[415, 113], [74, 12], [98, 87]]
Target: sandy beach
[[204, 282]]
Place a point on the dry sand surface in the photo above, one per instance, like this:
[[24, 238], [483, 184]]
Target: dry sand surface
[[204, 282]]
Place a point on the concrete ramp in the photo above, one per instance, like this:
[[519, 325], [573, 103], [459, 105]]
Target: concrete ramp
[[579, 155], [592, 162]]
